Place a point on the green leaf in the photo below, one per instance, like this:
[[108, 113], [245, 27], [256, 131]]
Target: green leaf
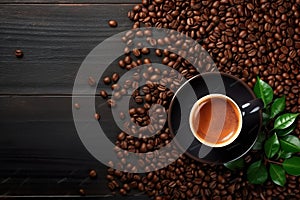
[[285, 120], [277, 174], [259, 142], [277, 107], [257, 173], [284, 155], [264, 91], [290, 144], [272, 146], [292, 166], [236, 164], [286, 131], [265, 118]]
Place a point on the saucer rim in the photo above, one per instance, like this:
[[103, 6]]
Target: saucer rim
[[170, 111]]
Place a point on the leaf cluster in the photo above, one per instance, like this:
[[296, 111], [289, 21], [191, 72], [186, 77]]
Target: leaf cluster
[[275, 144]]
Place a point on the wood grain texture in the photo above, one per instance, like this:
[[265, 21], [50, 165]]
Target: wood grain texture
[[40, 151], [69, 1], [55, 40]]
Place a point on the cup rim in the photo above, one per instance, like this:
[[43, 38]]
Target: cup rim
[[235, 136], [227, 149]]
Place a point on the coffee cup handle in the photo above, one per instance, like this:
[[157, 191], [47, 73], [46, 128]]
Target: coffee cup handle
[[252, 107]]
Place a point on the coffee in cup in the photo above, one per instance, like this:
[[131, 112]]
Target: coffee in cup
[[215, 120]]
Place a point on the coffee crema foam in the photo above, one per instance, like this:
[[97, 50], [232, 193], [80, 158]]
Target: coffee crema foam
[[216, 120]]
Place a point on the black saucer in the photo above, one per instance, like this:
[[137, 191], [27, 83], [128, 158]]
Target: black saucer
[[235, 89]]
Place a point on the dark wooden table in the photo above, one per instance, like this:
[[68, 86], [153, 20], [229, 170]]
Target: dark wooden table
[[41, 154]]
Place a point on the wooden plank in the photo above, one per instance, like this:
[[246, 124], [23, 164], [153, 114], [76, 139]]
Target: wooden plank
[[69, 1], [40, 152], [55, 40]]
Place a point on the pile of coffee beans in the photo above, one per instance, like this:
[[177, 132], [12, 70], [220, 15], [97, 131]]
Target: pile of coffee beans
[[244, 38]]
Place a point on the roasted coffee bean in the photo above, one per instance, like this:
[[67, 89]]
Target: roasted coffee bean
[[147, 61], [115, 77], [126, 187], [111, 103], [143, 148], [145, 51], [123, 192], [109, 177], [148, 98], [112, 23], [136, 52], [139, 99], [115, 87], [117, 95], [141, 187], [77, 106], [121, 63], [96, 116], [158, 52], [82, 192], [103, 94], [93, 174], [127, 60], [111, 186], [19, 53], [106, 80], [91, 81]]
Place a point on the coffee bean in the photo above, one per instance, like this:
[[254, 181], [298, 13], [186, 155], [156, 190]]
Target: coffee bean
[[115, 77], [103, 94], [106, 80], [145, 51], [141, 187], [148, 98], [158, 52], [111, 186], [82, 192], [111, 103], [143, 148], [96, 116], [77, 106], [112, 23], [127, 60], [116, 87], [93, 174], [158, 1], [121, 63], [91, 81], [136, 52], [139, 99], [126, 187], [147, 61], [123, 192], [19, 53], [252, 52]]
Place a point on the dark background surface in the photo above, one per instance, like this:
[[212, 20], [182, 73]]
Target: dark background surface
[[41, 154]]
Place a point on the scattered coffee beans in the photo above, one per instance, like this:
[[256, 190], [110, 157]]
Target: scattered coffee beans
[[245, 39]]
